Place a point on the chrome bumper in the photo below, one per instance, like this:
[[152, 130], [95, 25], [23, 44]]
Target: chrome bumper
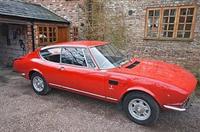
[[23, 74], [174, 108], [185, 105]]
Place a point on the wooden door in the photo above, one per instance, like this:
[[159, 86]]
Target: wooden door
[[63, 34]]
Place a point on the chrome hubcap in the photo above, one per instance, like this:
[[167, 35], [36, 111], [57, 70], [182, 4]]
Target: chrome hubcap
[[139, 109], [38, 83]]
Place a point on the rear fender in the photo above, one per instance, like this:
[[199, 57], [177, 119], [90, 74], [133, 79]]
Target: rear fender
[[33, 70]]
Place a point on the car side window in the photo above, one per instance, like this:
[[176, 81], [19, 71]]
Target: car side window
[[74, 56], [51, 54], [89, 60]]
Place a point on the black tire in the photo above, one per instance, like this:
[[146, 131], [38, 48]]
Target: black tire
[[46, 88], [154, 107]]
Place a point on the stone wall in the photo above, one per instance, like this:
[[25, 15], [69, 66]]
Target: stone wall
[[10, 46], [184, 53]]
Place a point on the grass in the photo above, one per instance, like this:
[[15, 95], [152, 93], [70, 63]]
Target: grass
[[198, 87], [196, 72], [198, 78]]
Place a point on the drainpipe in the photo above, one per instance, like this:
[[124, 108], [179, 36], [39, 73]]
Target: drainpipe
[[33, 36]]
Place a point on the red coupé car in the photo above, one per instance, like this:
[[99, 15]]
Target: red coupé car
[[99, 70]]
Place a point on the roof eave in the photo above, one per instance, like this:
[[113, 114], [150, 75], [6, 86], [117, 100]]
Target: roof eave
[[34, 19]]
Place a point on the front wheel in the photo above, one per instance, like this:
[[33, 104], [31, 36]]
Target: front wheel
[[141, 108]]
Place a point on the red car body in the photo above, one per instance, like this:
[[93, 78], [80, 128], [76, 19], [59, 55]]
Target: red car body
[[169, 84]]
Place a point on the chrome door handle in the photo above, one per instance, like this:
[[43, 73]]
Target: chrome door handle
[[62, 68]]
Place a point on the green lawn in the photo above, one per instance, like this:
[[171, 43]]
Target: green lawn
[[198, 86]]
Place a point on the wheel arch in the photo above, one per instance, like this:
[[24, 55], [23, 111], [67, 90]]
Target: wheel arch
[[32, 72], [139, 90]]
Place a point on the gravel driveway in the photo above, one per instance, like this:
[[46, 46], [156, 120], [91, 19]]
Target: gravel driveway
[[21, 110]]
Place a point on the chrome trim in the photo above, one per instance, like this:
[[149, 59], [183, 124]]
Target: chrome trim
[[104, 97], [111, 99], [174, 108], [61, 45], [23, 74]]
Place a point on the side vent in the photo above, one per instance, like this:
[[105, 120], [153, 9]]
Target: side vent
[[133, 65]]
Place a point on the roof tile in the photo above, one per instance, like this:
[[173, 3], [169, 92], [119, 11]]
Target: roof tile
[[28, 10]]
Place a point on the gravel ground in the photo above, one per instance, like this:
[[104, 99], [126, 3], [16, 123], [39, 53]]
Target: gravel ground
[[21, 110]]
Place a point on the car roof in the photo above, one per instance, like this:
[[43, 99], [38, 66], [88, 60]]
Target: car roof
[[83, 43], [77, 44]]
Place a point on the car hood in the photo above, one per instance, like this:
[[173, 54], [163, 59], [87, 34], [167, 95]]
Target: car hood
[[161, 71]]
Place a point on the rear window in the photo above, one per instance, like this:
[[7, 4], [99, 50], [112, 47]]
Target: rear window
[[51, 54]]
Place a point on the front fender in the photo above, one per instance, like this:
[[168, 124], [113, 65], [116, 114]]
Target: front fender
[[141, 89]]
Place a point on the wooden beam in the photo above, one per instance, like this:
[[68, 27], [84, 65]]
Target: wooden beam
[[14, 21]]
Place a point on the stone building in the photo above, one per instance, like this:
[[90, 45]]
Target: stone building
[[25, 27], [159, 29]]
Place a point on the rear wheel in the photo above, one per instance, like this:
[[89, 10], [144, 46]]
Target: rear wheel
[[39, 84], [141, 108]]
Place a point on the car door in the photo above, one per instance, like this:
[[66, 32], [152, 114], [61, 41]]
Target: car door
[[79, 69], [49, 64]]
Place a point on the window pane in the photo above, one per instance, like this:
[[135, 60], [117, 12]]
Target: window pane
[[188, 26], [73, 56], [173, 12], [150, 21], [165, 27], [50, 29], [40, 29], [181, 27], [183, 11], [156, 22], [170, 34], [166, 12], [187, 35], [41, 40], [171, 27], [182, 19], [189, 19], [45, 39], [54, 34], [151, 13], [157, 13], [52, 54], [172, 19], [45, 28], [54, 29], [180, 34], [50, 40], [164, 34], [165, 20], [89, 60], [190, 11]]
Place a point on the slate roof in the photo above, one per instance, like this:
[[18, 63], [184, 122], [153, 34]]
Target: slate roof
[[29, 11]]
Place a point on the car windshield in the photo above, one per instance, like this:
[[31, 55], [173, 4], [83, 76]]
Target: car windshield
[[107, 56]]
